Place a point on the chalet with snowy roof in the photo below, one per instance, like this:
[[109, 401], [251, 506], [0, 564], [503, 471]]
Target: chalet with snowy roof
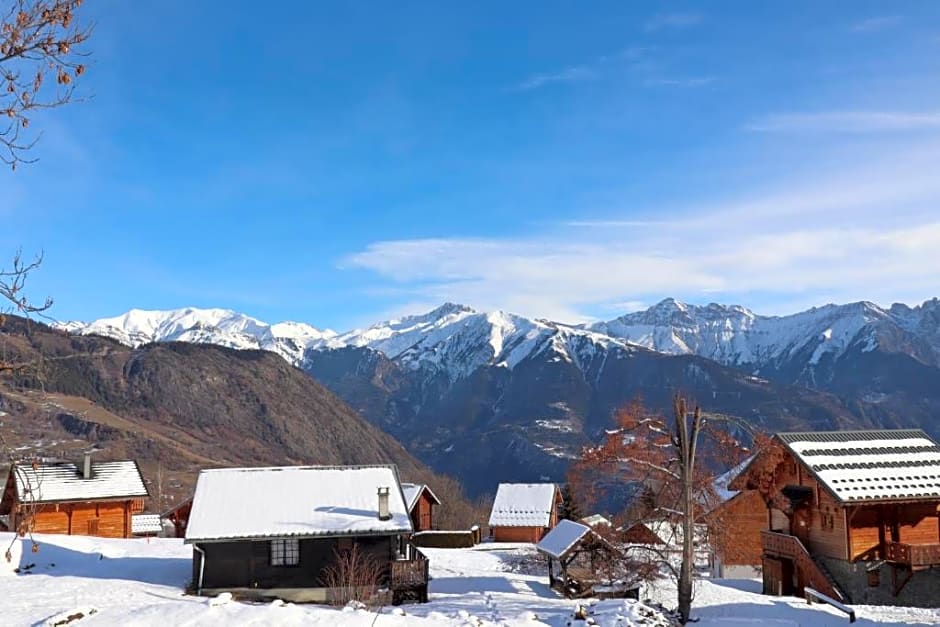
[[85, 499], [420, 501], [310, 519], [524, 512], [852, 514]]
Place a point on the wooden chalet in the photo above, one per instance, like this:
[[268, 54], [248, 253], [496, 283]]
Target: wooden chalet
[[854, 516], [737, 517], [178, 516], [276, 532], [87, 499], [524, 512], [582, 564], [420, 501]]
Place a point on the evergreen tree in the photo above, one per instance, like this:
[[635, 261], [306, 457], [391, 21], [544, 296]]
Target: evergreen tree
[[569, 509]]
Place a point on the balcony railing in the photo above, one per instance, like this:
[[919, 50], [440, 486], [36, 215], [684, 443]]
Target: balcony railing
[[913, 555], [413, 573], [781, 545]]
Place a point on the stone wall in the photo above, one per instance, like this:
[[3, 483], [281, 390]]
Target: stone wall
[[853, 578]]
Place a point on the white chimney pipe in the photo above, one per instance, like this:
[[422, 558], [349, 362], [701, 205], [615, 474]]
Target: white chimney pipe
[[384, 514], [86, 468]]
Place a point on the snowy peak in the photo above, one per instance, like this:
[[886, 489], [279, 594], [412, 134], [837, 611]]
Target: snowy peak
[[735, 335], [221, 327]]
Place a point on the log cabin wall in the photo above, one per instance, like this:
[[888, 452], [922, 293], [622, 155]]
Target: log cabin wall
[[519, 534], [108, 519]]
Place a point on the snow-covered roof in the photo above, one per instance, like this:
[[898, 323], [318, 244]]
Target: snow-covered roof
[[295, 501], [595, 519], [146, 523], [722, 483], [63, 482], [413, 490], [523, 505], [562, 538], [881, 465]]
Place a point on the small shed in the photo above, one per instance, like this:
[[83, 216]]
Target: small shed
[[524, 512], [420, 501], [85, 499], [581, 563]]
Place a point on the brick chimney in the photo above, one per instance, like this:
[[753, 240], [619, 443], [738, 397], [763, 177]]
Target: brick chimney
[[86, 466], [384, 514]]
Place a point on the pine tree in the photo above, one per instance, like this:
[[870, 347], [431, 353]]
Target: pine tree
[[569, 509]]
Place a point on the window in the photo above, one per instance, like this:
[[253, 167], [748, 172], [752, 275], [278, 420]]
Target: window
[[93, 527], [285, 552]]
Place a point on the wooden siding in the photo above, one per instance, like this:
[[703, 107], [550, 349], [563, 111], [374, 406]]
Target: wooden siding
[[106, 519], [247, 564], [519, 534], [422, 514], [746, 515]]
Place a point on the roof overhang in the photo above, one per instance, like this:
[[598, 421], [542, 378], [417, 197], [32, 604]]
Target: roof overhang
[[304, 536]]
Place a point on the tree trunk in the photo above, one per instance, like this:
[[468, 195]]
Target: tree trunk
[[687, 439]]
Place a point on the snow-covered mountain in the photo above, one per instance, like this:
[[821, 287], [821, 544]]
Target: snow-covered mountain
[[736, 336], [455, 340], [206, 326]]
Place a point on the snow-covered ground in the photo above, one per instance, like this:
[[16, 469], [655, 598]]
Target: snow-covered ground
[[140, 582]]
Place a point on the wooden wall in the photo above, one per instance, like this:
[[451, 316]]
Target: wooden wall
[[422, 513], [106, 519], [518, 534], [247, 563], [740, 521]]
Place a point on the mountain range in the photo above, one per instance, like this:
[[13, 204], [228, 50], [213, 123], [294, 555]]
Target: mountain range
[[485, 395]]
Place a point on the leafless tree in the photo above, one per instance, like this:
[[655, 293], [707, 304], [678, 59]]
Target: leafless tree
[[666, 458], [353, 576], [40, 58]]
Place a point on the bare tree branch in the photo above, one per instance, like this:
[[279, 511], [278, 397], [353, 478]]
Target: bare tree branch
[[40, 43]]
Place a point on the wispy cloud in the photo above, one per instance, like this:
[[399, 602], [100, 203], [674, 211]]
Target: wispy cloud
[[584, 71], [662, 21], [700, 81], [831, 235], [874, 24], [574, 73], [847, 121]]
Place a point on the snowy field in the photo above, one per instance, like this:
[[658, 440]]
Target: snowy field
[[136, 582]]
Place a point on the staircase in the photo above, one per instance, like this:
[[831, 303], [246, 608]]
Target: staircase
[[811, 573]]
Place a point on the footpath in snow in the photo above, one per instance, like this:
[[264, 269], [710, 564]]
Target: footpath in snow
[[139, 582]]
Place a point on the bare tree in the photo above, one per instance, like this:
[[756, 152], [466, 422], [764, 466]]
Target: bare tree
[[40, 58], [666, 460], [353, 576]]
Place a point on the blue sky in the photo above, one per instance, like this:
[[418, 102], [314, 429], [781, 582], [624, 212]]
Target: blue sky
[[339, 163]]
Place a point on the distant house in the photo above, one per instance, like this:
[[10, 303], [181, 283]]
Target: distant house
[[310, 517], [737, 553], [177, 518], [420, 501], [87, 499], [524, 512], [854, 516], [146, 525], [595, 520]]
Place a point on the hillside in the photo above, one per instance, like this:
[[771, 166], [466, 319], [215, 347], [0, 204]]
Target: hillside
[[178, 406]]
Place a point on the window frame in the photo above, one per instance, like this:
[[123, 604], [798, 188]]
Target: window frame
[[284, 552]]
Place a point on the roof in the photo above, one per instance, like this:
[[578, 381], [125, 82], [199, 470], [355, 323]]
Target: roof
[[298, 501], [62, 482], [861, 466], [412, 492], [595, 519], [146, 523], [523, 505], [564, 537]]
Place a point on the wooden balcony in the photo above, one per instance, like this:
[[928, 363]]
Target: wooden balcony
[[410, 574], [916, 556]]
